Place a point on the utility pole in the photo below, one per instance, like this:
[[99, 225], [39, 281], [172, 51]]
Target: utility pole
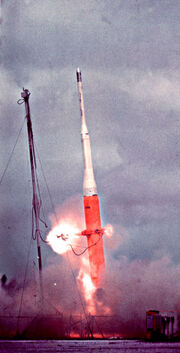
[[35, 202]]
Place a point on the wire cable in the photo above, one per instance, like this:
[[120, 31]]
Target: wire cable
[[62, 236], [46, 183], [22, 294], [44, 241], [40, 199], [9, 159], [88, 247]]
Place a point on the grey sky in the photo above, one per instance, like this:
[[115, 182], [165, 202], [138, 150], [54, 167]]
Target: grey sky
[[128, 52]]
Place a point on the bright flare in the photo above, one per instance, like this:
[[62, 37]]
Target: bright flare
[[87, 285], [108, 230], [63, 236]]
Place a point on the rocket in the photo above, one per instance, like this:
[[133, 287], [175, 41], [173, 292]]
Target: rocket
[[93, 231]]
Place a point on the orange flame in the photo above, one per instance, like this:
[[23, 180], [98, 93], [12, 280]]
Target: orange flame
[[64, 237], [88, 287]]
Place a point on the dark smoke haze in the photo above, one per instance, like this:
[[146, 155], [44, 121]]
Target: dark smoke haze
[[128, 52]]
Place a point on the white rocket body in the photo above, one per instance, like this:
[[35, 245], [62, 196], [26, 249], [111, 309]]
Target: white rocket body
[[89, 184]]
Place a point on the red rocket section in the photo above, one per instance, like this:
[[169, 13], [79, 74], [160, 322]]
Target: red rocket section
[[93, 231], [94, 234]]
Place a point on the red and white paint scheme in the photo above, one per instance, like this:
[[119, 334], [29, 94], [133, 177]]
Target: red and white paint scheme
[[93, 231]]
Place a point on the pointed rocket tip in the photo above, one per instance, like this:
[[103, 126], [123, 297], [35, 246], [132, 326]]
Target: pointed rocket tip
[[78, 74]]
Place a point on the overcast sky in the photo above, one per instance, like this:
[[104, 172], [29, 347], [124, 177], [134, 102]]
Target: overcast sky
[[128, 52]]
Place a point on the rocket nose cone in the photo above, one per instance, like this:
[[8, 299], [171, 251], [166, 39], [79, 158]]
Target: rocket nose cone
[[78, 73]]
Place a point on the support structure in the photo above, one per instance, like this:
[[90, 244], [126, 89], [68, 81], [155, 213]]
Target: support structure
[[35, 202]]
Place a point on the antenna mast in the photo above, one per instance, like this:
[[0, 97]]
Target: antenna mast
[[35, 202]]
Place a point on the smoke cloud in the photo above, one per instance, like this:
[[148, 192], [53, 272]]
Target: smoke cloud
[[127, 52]]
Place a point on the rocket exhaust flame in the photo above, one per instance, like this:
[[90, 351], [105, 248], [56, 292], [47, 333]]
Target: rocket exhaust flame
[[66, 236], [88, 287]]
